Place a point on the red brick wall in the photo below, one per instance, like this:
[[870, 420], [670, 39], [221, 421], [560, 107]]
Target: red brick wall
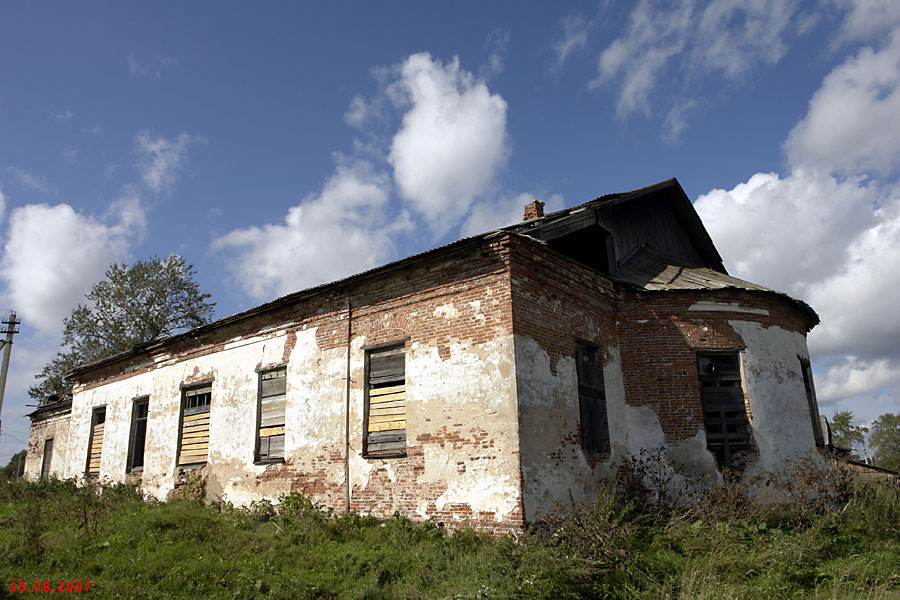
[[397, 304]]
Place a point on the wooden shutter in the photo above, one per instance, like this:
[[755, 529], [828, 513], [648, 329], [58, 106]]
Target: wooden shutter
[[195, 426], [48, 455], [724, 411], [272, 402], [591, 397], [386, 403], [98, 425]]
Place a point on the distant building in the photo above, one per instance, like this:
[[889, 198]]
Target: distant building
[[483, 381]]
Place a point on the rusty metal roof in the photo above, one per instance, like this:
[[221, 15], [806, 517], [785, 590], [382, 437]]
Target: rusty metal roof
[[649, 270]]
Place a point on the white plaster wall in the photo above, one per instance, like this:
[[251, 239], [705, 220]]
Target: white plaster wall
[[472, 390], [56, 427], [773, 381], [554, 471], [232, 415]]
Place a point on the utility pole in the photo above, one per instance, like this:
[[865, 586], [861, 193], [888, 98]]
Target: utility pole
[[6, 344]]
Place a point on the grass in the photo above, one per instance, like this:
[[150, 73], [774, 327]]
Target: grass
[[614, 547]]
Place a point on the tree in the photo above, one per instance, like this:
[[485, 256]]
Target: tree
[[147, 301], [844, 434], [15, 468], [885, 441]]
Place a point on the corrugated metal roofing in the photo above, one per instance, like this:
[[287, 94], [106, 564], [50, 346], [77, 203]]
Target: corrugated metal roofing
[[651, 271]]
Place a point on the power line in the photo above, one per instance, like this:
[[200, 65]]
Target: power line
[[13, 437]]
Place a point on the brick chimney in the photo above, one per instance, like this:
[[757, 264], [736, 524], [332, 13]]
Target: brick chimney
[[533, 210]]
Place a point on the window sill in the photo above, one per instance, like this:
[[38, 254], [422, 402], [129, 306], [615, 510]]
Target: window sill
[[269, 461], [383, 456]]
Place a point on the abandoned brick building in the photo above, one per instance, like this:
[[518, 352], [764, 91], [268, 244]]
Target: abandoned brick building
[[483, 381]]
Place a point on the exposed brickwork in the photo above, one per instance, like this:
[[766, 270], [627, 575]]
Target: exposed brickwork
[[470, 283], [556, 300]]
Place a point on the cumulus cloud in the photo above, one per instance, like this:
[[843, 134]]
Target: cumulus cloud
[[2, 203], [452, 140], [440, 164], [829, 231], [852, 125], [788, 233], [53, 255], [161, 161], [341, 230]]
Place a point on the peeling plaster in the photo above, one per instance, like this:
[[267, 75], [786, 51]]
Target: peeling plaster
[[781, 424], [727, 307]]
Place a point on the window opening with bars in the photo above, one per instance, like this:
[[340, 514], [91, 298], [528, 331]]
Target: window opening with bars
[[724, 410]]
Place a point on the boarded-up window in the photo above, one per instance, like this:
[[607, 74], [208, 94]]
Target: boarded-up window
[[48, 455], [591, 397], [195, 425], [724, 411], [138, 438], [811, 402], [386, 402], [272, 401], [95, 446]]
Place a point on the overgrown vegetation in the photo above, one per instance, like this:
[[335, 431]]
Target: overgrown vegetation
[[841, 541]]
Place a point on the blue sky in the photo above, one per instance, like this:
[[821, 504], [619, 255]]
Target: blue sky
[[279, 145]]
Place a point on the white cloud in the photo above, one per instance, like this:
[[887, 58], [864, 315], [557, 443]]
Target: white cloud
[[342, 230], [867, 19], [2, 203], [34, 182], [574, 37], [852, 124], [492, 214], [160, 161], [676, 121], [670, 41], [134, 67], [854, 377], [71, 155], [829, 231], [357, 113], [496, 43], [734, 36], [52, 257], [787, 233], [452, 141], [62, 116]]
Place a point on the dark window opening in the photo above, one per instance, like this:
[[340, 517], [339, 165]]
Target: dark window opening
[[139, 414], [591, 397], [724, 411], [48, 455], [272, 403], [806, 369], [385, 415]]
